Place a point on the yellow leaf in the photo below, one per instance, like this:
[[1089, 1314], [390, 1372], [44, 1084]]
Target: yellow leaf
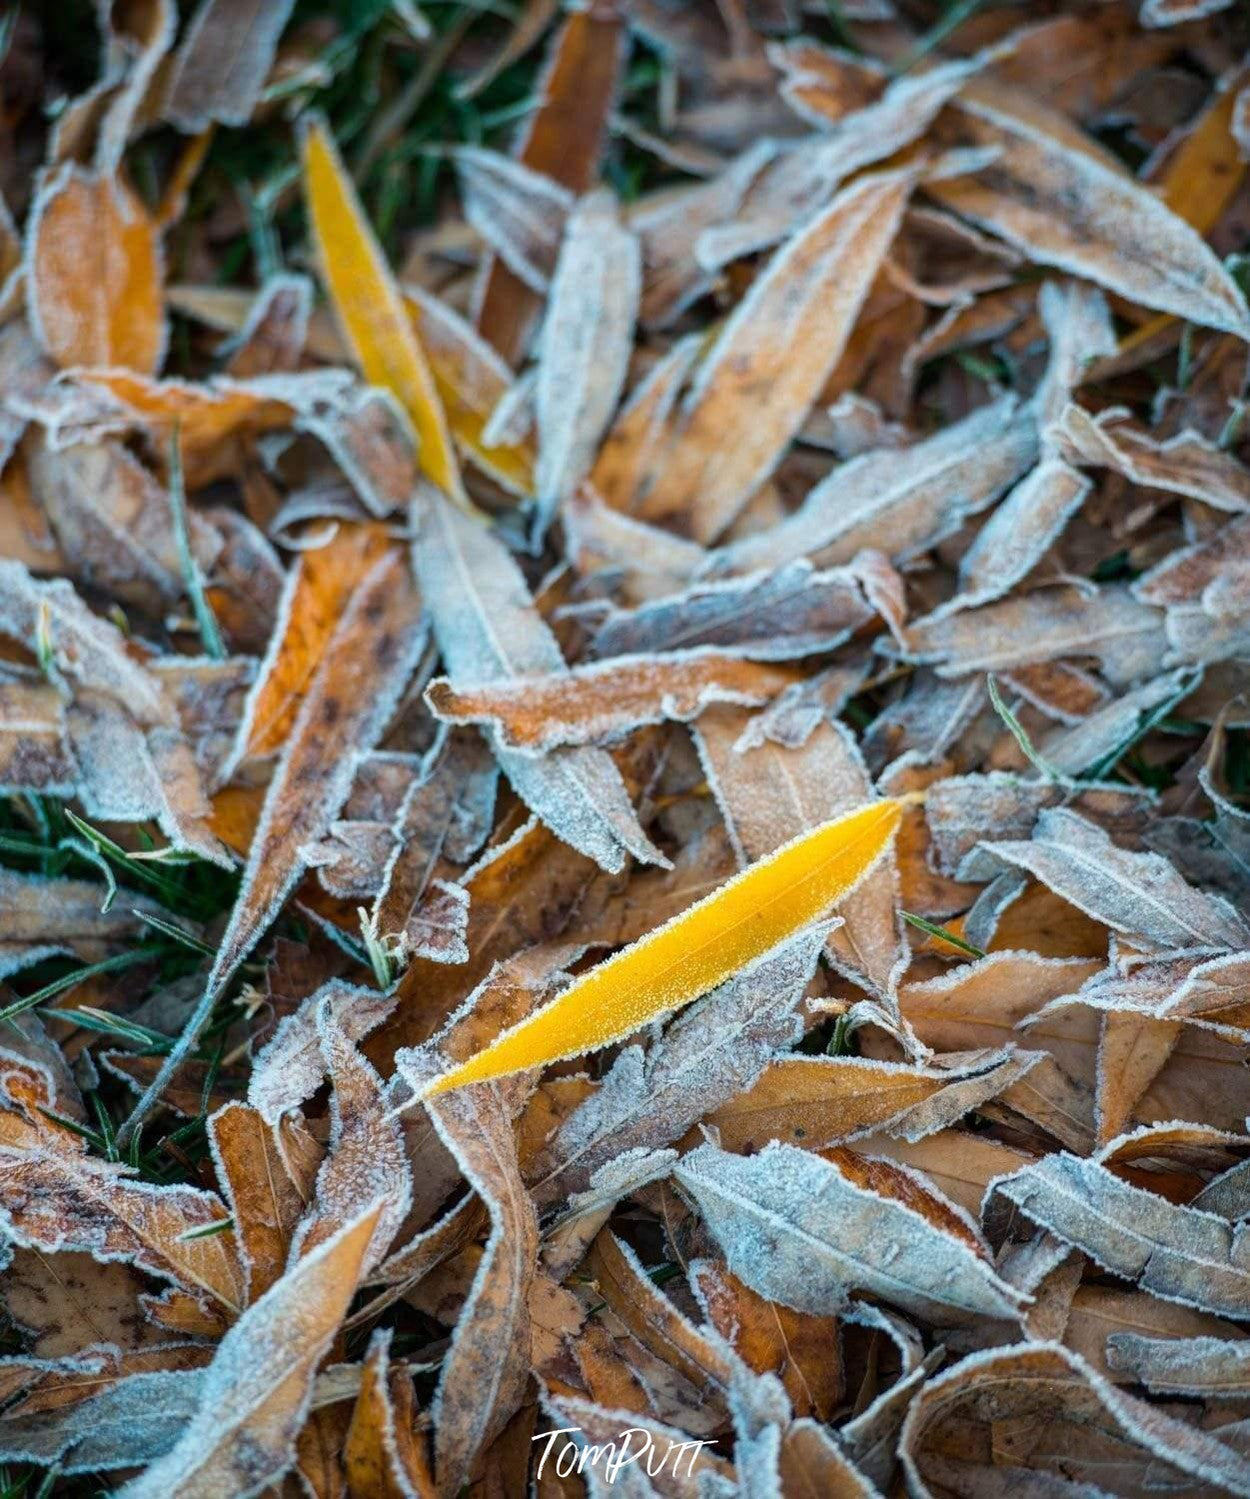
[[707, 944], [374, 319]]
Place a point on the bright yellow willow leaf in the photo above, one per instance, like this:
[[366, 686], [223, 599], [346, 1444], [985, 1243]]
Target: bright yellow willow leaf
[[372, 313], [716, 938]]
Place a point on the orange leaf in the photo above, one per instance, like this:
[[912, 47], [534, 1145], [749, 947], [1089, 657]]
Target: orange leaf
[[95, 274]]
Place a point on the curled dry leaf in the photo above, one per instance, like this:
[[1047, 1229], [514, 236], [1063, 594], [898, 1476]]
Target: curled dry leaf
[[1031, 1389]]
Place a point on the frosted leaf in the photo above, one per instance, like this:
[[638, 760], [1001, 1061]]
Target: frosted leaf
[[798, 1231], [487, 627], [772, 794], [807, 172], [1020, 531], [520, 213], [1138, 894], [46, 916], [586, 341], [366, 1162], [85, 650], [636, 440], [1178, 1253], [53, 1200], [256, 1392], [706, 1056], [265, 1198], [486, 1368], [221, 66], [1043, 1388], [130, 1423], [603, 701], [1107, 623], [767, 616], [900, 502], [290, 1067], [1067, 203], [757, 381], [1106, 733], [1185, 464], [819, 1101]]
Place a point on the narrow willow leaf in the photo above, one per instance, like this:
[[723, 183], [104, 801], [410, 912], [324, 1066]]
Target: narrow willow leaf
[[1178, 1253], [374, 319], [487, 627], [47, 916], [1109, 624], [799, 1231], [68, 1301], [342, 715], [899, 502], [1139, 894], [562, 140], [256, 1392], [384, 1453], [1016, 537], [131, 1422], [792, 610], [757, 382], [113, 521], [486, 1368], [1064, 202], [636, 440], [597, 703], [1186, 464], [694, 952], [770, 795], [520, 213], [587, 339]]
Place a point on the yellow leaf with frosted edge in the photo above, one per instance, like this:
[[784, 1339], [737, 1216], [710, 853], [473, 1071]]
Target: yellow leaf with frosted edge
[[374, 319], [718, 936]]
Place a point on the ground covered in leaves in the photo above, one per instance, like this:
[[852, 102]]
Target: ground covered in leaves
[[624, 686]]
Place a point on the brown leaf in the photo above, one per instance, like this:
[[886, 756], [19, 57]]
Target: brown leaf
[[258, 1387], [52, 1201], [383, 1457], [223, 62], [752, 382], [1049, 1410], [265, 1199], [805, 1351], [594, 704], [113, 316]]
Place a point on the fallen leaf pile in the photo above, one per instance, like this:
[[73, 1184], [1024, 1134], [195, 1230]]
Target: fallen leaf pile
[[625, 749]]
